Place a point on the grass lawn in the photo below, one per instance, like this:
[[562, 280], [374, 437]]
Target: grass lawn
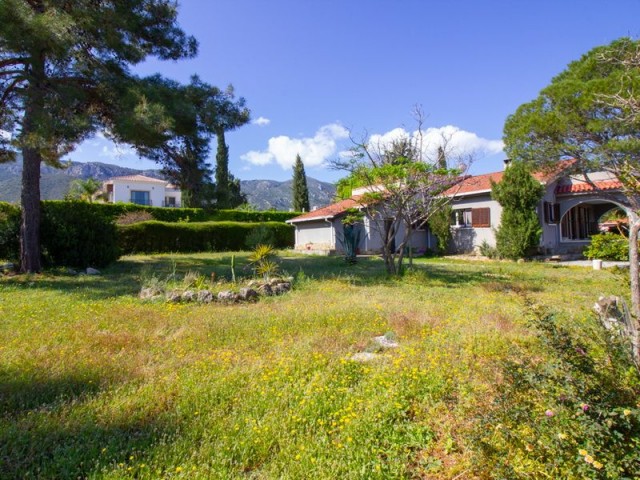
[[95, 383]]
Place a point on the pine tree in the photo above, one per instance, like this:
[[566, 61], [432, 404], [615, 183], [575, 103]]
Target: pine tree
[[519, 194], [64, 66], [300, 189]]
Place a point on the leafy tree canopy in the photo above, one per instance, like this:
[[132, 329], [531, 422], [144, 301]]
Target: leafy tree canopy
[[591, 113]]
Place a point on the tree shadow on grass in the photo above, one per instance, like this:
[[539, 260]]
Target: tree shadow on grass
[[40, 439], [125, 277]]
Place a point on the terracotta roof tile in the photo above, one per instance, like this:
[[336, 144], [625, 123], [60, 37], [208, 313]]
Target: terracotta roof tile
[[582, 187], [330, 211], [137, 178], [482, 183]]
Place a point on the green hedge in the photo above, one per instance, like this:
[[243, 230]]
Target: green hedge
[[244, 216], [71, 234], [162, 214], [114, 210], [9, 231], [154, 236], [81, 234]]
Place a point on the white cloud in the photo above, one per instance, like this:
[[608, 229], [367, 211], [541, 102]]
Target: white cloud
[[117, 151], [261, 121], [314, 150], [457, 143]]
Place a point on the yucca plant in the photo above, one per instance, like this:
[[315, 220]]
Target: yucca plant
[[262, 260]]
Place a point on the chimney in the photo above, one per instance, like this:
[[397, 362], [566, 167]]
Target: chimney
[[507, 162]]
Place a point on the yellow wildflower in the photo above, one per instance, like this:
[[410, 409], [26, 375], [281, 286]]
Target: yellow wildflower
[[597, 465], [582, 452]]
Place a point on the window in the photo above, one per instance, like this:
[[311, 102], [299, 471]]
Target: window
[[481, 217], [551, 212], [140, 197], [472, 217], [170, 201], [461, 217]]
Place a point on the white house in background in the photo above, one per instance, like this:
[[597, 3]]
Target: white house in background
[[142, 191]]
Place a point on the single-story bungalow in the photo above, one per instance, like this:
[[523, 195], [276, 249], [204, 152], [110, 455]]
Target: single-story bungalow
[[569, 212], [321, 231]]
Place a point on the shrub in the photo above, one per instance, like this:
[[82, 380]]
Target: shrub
[[250, 216], [518, 193], [76, 234], [260, 236], [9, 231], [608, 246], [487, 250], [115, 210], [154, 236], [573, 414], [440, 225], [134, 217]]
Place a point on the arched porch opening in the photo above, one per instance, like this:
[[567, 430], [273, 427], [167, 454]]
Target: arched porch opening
[[588, 218]]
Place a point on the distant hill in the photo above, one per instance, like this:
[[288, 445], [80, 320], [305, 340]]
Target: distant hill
[[54, 184]]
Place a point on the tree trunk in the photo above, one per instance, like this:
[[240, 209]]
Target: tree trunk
[[30, 223], [30, 261], [634, 269]]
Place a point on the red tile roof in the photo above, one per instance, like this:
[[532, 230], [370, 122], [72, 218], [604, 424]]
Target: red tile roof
[[136, 178], [482, 183], [586, 187], [330, 211]]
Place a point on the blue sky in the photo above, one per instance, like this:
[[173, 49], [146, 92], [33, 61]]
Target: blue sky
[[312, 71]]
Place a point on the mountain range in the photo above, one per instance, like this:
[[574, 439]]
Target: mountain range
[[54, 184]]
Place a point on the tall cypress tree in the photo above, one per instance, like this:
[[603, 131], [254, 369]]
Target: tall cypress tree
[[300, 189], [228, 194], [519, 194], [222, 171]]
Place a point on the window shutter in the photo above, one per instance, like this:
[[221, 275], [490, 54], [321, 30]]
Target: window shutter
[[551, 212], [547, 213], [481, 217]]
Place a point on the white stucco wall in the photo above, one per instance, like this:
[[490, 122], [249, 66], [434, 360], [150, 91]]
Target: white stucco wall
[[122, 191], [315, 235], [173, 192], [466, 239]]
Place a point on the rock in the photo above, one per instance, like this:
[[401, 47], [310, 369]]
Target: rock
[[71, 271], [7, 266], [228, 296], [282, 287], [149, 294], [174, 296], [385, 342], [205, 296], [92, 271], [610, 312], [248, 294], [189, 296], [265, 290]]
